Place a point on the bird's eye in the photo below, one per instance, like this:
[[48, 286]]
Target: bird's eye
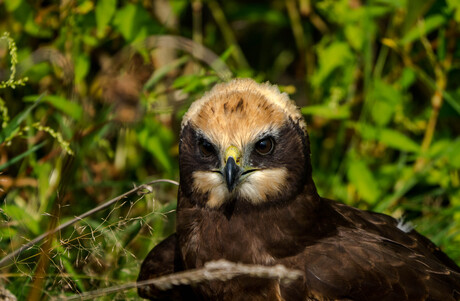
[[206, 148], [264, 146]]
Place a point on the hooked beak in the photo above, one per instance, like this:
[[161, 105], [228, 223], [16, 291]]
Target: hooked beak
[[231, 170]]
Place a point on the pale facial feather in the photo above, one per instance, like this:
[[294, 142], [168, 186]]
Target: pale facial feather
[[212, 183], [260, 185], [257, 187]]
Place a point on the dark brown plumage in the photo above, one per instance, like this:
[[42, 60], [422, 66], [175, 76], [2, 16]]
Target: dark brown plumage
[[247, 195]]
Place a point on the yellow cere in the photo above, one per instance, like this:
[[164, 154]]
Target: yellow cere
[[233, 151]]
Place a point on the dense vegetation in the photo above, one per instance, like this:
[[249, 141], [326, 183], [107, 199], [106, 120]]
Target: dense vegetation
[[92, 93]]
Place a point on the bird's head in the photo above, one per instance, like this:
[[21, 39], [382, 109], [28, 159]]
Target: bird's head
[[243, 141]]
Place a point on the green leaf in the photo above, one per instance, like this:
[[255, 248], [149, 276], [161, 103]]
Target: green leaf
[[43, 172], [415, 10], [14, 124], [390, 138], [385, 98], [125, 21], [355, 36], [411, 180], [134, 22], [155, 147], [363, 179], [439, 148], [12, 5], [71, 108], [408, 77], [423, 28], [85, 7], [82, 65], [20, 215], [178, 6], [330, 58], [19, 157], [452, 152], [398, 140], [454, 5], [366, 131], [163, 71], [227, 53], [393, 3], [6, 233], [335, 112], [104, 12], [157, 140], [382, 112]]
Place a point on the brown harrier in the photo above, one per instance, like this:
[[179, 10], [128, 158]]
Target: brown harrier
[[247, 195]]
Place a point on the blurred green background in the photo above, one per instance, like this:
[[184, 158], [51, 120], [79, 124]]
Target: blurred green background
[[92, 94]]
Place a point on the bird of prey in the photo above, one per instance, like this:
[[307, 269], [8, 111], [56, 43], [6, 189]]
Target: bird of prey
[[247, 195]]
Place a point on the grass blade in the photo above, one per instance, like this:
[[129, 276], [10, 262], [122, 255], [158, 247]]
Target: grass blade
[[14, 124]]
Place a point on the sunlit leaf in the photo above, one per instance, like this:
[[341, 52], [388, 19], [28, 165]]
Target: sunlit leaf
[[178, 6], [455, 6], [6, 233], [157, 141], [363, 179], [452, 153], [423, 28], [398, 140], [330, 58], [82, 65], [85, 7], [389, 137], [104, 13], [408, 77], [14, 124], [12, 5], [326, 111], [355, 36], [71, 108], [20, 215], [384, 100], [134, 22], [163, 71]]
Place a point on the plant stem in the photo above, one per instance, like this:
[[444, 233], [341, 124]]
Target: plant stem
[[441, 70], [10, 257], [227, 33]]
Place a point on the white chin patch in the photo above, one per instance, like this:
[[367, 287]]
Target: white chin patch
[[256, 187], [212, 183]]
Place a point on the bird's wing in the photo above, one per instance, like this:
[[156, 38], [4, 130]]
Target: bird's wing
[[359, 265], [162, 260], [390, 228]]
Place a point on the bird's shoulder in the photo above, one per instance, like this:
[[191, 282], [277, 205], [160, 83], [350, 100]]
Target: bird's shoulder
[[368, 257], [390, 228]]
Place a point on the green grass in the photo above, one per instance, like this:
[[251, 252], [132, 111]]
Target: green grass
[[376, 83]]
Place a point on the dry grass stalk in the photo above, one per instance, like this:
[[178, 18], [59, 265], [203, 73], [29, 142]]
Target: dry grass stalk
[[222, 270]]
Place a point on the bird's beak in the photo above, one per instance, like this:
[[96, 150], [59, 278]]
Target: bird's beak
[[232, 170]]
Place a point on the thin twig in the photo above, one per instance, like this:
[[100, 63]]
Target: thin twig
[[222, 270], [8, 258]]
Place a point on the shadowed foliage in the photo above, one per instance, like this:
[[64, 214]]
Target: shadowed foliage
[[92, 94]]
